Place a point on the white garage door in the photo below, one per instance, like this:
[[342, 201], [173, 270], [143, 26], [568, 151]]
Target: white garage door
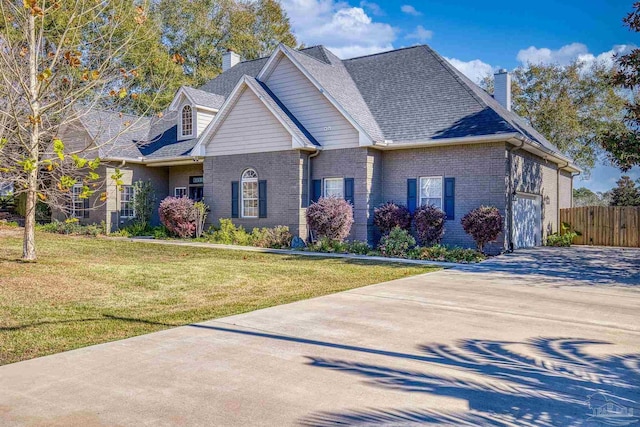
[[527, 221]]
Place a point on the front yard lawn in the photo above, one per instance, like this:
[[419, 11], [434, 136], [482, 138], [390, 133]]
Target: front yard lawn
[[87, 291]]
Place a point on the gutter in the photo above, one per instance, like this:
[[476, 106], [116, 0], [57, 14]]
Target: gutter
[[558, 194], [156, 162]]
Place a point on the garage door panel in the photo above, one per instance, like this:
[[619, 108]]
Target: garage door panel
[[526, 221]]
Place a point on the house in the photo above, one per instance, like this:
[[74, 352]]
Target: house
[[267, 137]]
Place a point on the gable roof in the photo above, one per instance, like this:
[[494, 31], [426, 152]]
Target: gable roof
[[277, 108], [199, 97], [404, 97]]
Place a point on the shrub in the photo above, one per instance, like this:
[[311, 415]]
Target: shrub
[[330, 217], [71, 226], [324, 244], [200, 216], [564, 239], [278, 237], [138, 228], [144, 200], [445, 253], [160, 232], [390, 215], [177, 214], [358, 248], [484, 224], [10, 224], [397, 243], [428, 222], [229, 234]]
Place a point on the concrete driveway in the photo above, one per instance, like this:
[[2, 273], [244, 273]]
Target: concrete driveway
[[525, 339]]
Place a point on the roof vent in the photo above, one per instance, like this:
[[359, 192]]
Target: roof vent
[[229, 59], [502, 88]]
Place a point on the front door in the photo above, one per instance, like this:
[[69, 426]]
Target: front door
[[195, 193]]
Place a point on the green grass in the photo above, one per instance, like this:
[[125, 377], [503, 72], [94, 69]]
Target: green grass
[[85, 291]]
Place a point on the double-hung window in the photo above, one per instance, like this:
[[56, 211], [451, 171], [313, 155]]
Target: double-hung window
[[77, 203], [431, 191], [249, 194], [334, 187], [126, 202], [180, 192]]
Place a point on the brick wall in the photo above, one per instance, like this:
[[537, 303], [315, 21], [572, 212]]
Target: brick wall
[[479, 172], [283, 171]]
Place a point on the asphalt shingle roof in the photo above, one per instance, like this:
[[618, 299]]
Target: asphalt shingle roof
[[115, 134], [406, 95], [204, 98]]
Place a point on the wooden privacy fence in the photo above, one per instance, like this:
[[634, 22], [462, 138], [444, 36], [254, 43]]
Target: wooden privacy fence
[[604, 225]]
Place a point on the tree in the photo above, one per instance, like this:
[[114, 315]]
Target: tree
[[626, 193], [584, 197], [144, 202], [623, 143], [59, 61], [199, 32], [573, 106]]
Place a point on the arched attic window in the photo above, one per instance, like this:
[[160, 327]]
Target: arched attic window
[[249, 194], [187, 121]]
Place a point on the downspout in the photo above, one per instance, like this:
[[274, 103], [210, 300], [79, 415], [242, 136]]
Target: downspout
[[558, 195], [310, 183], [511, 150], [124, 162]]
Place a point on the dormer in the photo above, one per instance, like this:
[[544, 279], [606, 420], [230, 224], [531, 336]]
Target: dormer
[[194, 109]]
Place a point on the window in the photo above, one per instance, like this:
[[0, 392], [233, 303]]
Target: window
[[249, 194], [431, 191], [77, 204], [126, 202], [334, 187], [187, 121], [180, 191]]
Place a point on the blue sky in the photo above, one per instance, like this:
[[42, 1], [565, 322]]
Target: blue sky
[[477, 38]]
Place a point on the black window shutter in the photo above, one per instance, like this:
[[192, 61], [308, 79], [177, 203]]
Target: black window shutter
[[262, 199], [85, 212], [235, 193], [449, 197], [348, 190], [316, 190], [412, 187]]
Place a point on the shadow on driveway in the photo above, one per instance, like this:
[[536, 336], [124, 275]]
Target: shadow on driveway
[[582, 265]]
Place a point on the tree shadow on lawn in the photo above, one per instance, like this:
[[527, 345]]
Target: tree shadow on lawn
[[104, 317]]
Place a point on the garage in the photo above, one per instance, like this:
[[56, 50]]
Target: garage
[[527, 220]]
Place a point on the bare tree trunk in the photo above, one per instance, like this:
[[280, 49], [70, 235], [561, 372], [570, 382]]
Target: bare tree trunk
[[29, 241]]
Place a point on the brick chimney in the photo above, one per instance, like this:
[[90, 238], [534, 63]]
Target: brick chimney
[[502, 88], [229, 59]]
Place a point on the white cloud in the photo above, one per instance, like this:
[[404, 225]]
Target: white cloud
[[410, 10], [421, 34], [347, 31], [568, 53], [475, 69], [372, 8]]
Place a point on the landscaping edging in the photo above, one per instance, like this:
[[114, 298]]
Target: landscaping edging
[[443, 264]]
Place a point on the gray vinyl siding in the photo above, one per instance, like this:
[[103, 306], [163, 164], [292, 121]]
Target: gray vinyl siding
[[249, 128], [203, 118], [310, 107]]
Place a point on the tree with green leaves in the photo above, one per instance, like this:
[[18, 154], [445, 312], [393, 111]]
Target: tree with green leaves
[[59, 61], [573, 106], [624, 143], [626, 193], [197, 33], [584, 197]]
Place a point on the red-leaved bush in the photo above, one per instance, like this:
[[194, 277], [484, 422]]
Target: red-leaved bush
[[330, 217], [390, 215], [428, 222], [178, 215], [484, 224]]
